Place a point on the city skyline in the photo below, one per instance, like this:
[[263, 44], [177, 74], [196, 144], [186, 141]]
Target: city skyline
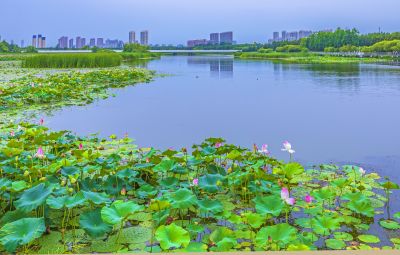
[[252, 21]]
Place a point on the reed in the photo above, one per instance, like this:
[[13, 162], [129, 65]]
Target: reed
[[72, 60]]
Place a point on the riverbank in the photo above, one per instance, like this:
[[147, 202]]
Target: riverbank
[[311, 58]]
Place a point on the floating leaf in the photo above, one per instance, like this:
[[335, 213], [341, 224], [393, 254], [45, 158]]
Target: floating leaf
[[172, 236], [389, 224], [335, 244], [369, 238], [281, 233]]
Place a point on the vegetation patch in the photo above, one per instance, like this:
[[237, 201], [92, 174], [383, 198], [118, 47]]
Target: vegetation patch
[[72, 60]]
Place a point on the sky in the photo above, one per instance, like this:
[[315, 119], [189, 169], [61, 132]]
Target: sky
[[176, 21]]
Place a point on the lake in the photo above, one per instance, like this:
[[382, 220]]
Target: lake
[[330, 113]]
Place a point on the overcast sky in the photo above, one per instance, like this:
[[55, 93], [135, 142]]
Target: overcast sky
[[176, 21]]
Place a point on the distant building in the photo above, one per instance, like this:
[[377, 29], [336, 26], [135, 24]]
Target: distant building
[[275, 36], [92, 42], [293, 36], [71, 43], [226, 37], [100, 42], [34, 41], [284, 35], [43, 42], [144, 37], [132, 37], [39, 43], [22, 43], [304, 33], [63, 42], [80, 42], [198, 42], [214, 38]]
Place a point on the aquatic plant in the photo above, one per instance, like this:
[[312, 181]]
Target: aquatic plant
[[72, 60], [96, 195]]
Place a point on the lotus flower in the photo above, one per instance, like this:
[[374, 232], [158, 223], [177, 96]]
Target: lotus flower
[[32, 84], [195, 182], [286, 197], [39, 153], [12, 133], [41, 121], [361, 170], [287, 147], [147, 160], [308, 199], [123, 191], [217, 145], [80, 146], [264, 149]]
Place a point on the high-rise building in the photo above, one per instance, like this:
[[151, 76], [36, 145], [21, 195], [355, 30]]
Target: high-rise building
[[43, 42], [293, 36], [144, 37], [83, 42], [71, 43], [226, 37], [63, 42], [284, 35], [100, 42], [303, 33], [132, 37], [80, 42], [214, 38], [275, 36], [39, 43], [92, 42], [198, 42], [22, 43], [34, 41]]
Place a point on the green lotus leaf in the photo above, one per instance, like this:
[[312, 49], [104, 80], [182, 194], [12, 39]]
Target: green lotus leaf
[[325, 193], [21, 232], [70, 170], [395, 240], [165, 165], [220, 233], [226, 244], [390, 224], [172, 236], [126, 173], [233, 155], [5, 183], [363, 207], [390, 185], [194, 247], [182, 199], [92, 223], [269, 205], [169, 182], [281, 234], [132, 235], [104, 247], [369, 238], [343, 236], [18, 186], [33, 197], [119, 211], [209, 182], [158, 205], [146, 191], [209, 205], [303, 222], [290, 170], [11, 216], [335, 244], [323, 225], [56, 202], [96, 198], [298, 247], [254, 219], [74, 201], [396, 215]]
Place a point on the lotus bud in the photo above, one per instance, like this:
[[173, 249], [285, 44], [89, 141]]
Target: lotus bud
[[123, 191], [219, 183], [26, 173], [73, 180], [63, 182], [70, 190], [42, 179]]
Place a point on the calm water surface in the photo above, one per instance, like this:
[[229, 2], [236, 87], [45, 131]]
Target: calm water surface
[[330, 113]]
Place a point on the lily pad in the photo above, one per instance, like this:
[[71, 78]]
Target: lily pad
[[390, 224], [369, 238], [335, 244]]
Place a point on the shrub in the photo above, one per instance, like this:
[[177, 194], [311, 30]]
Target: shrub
[[331, 49], [383, 46], [73, 60], [348, 48], [291, 48], [265, 50]]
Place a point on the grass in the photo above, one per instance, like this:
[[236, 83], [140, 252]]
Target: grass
[[72, 60], [308, 58], [129, 56]]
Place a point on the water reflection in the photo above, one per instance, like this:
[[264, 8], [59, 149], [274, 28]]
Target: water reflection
[[220, 67]]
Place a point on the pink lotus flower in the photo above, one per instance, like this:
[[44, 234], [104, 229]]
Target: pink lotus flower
[[41, 121], [195, 182], [308, 199], [80, 146], [286, 197], [12, 133], [287, 147], [147, 160], [264, 149], [39, 153], [217, 145]]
